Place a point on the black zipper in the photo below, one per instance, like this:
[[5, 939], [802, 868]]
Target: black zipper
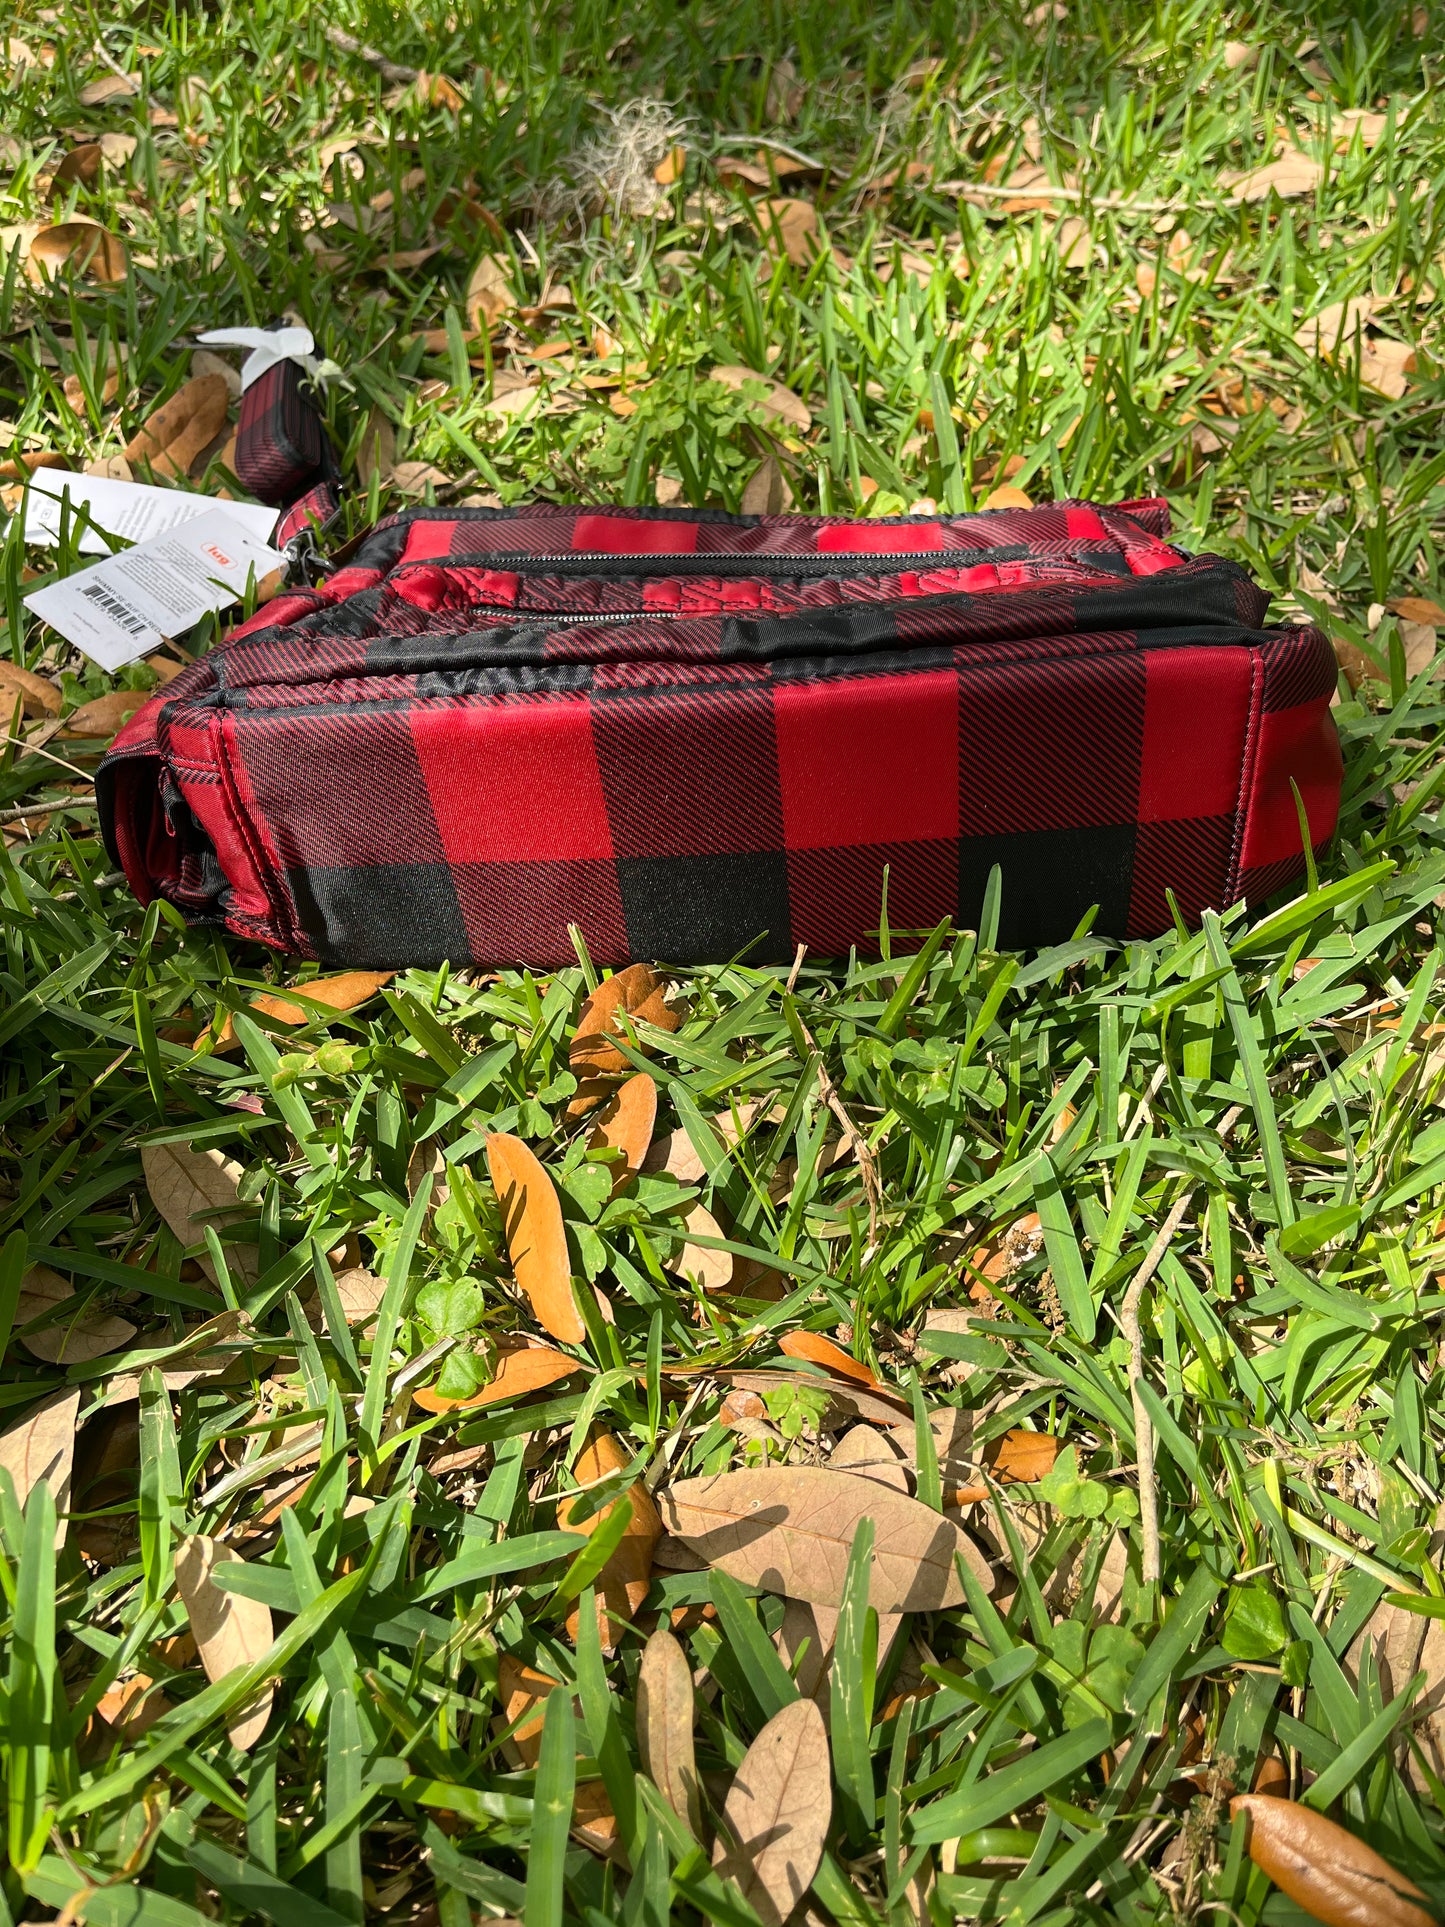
[[843, 562]]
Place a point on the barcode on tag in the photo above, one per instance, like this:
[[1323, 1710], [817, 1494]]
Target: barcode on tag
[[117, 610], [123, 606]]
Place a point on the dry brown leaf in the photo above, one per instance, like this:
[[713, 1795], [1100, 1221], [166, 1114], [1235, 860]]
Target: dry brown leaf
[[1333, 330], [626, 1125], [104, 716], [17, 467], [635, 991], [413, 478], [525, 1369], [811, 1665], [665, 1726], [192, 1189], [709, 1269], [1074, 242], [360, 1293], [952, 1427], [791, 225], [523, 1692], [670, 168], [592, 1091], [116, 148], [1290, 176], [1350, 121], [348, 990], [778, 401], [623, 1583], [741, 1409], [36, 694], [536, 1239], [1411, 608], [594, 1823], [845, 1397], [81, 246], [1419, 642], [42, 1446], [870, 1454], [114, 467], [1384, 366], [788, 1529], [1239, 54], [777, 1813], [805, 1646], [377, 456], [173, 435], [1325, 1869], [132, 1708], [82, 163], [489, 292], [1007, 498], [74, 1340], [767, 491], [822, 1351], [230, 1630], [435, 90], [1021, 1457], [96, 93], [677, 1154]]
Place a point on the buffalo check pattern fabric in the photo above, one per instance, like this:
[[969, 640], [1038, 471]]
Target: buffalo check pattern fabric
[[694, 736]]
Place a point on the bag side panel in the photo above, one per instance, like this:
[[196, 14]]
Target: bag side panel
[[694, 813], [1295, 747]]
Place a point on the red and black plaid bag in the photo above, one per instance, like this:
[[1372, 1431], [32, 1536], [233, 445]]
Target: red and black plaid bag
[[694, 734]]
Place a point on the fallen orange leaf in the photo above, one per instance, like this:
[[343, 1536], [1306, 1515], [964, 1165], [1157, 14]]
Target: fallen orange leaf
[[525, 1369], [536, 1239], [822, 1351]]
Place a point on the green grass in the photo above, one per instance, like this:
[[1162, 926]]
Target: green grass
[[1290, 1330]]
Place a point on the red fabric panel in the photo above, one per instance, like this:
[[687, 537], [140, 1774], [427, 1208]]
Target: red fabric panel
[[426, 539], [1085, 522], [858, 538], [873, 761], [623, 535], [1196, 710], [513, 783], [1297, 744]]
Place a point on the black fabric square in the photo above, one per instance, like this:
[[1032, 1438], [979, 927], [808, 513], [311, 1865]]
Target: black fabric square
[[683, 909], [1050, 878], [382, 916]]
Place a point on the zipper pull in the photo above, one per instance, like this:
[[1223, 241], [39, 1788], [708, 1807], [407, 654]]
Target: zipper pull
[[171, 801]]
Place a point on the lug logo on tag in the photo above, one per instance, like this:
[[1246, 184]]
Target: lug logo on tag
[[217, 554]]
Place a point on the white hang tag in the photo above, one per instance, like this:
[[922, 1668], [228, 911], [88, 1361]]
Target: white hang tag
[[267, 345], [134, 511], [122, 608]]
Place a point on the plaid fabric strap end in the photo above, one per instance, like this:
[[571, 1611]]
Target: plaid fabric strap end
[[282, 450], [308, 516]]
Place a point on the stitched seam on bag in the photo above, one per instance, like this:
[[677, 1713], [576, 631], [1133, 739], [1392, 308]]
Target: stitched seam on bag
[[282, 921], [1245, 803], [667, 690]]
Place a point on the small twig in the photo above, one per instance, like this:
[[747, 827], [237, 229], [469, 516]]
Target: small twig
[[1046, 190], [22, 812], [778, 147], [797, 966], [853, 1138], [1151, 1565], [34, 749], [388, 69], [1145, 1108]]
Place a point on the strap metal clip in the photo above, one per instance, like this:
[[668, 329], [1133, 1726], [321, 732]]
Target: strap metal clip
[[304, 560]]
